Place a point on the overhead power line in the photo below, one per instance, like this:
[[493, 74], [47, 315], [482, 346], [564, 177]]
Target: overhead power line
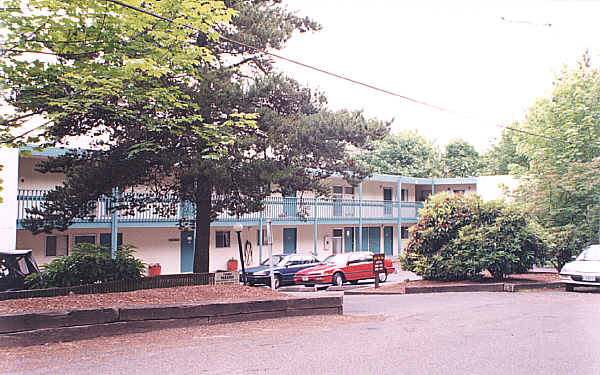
[[296, 62], [311, 67]]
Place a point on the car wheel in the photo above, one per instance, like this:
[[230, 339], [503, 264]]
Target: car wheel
[[338, 279], [382, 277], [250, 283], [353, 282], [277, 281], [569, 288]]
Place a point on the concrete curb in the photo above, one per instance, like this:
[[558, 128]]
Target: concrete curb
[[53, 326], [495, 287], [532, 286]]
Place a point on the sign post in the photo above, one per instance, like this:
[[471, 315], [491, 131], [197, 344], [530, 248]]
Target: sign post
[[270, 245], [378, 267]]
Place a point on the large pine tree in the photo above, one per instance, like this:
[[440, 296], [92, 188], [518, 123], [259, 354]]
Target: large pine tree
[[217, 159]]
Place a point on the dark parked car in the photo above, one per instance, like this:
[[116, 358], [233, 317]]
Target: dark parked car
[[283, 270], [15, 265]]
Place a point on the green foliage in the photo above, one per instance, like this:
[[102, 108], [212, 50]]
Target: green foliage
[[407, 154], [504, 158], [567, 205], [459, 236], [563, 243], [570, 114], [85, 64], [460, 159], [89, 263], [562, 184], [292, 144]]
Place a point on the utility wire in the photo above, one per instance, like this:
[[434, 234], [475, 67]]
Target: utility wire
[[296, 62]]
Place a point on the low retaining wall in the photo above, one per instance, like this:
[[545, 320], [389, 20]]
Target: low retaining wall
[[68, 325], [495, 287]]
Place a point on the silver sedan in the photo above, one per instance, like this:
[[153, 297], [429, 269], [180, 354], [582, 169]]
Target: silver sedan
[[584, 270]]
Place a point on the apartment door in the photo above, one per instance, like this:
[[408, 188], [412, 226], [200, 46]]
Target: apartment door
[[375, 240], [387, 204], [388, 240], [338, 235], [187, 251], [364, 246], [289, 240], [348, 239]]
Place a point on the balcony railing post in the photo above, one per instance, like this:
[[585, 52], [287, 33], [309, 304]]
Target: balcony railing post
[[399, 193], [114, 223], [315, 223], [360, 234]]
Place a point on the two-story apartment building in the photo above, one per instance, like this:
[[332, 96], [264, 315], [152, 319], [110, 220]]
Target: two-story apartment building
[[375, 216]]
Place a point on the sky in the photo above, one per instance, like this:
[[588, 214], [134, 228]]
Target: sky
[[485, 61]]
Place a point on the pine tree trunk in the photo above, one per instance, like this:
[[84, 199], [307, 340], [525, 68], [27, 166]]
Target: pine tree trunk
[[202, 245]]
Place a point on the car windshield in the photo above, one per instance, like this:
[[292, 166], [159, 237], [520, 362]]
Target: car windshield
[[338, 259], [276, 259], [590, 253]]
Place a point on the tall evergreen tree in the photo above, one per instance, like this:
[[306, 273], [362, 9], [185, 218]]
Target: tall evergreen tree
[[293, 145]]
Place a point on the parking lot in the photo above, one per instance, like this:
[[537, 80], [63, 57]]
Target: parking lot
[[542, 332]]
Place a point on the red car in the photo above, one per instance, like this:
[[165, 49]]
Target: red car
[[339, 268]]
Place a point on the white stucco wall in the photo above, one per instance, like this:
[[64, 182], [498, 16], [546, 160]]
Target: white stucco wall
[[449, 188], [29, 178], [9, 159]]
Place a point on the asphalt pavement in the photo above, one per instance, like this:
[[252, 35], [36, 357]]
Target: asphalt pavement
[[542, 332]]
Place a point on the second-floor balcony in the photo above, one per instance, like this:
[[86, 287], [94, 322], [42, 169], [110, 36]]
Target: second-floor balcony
[[280, 210]]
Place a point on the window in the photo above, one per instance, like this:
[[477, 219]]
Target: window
[[264, 235], [404, 233], [348, 190], [223, 239], [425, 195], [106, 240], [354, 258], [338, 233], [88, 238], [404, 195], [57, 246]]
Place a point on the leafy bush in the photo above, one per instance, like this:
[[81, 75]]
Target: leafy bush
[[563, 243], [459, 236], [88, 264]]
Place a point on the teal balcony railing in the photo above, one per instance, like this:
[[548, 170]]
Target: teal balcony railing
[[290, 210]]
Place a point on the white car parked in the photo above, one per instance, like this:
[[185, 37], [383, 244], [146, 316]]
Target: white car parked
[[584, 270]]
